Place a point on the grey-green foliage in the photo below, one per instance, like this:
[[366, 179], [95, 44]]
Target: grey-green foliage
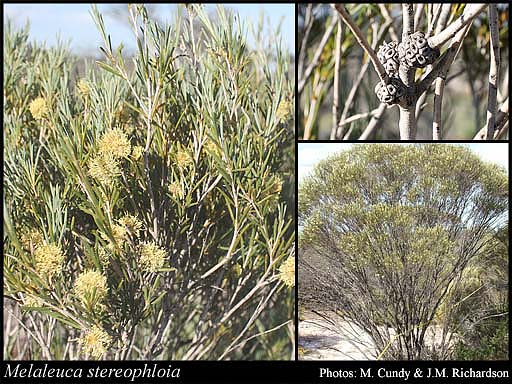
[[171, 176]]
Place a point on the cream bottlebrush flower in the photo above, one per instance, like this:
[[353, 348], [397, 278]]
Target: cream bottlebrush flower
[[38, 108], [32, 302], [137, 152], [32, 239], [183, 159], [152, 257], [49, 260], [91, 287], [115, 142], [104, 257], [213, 149], [120, 235], [83, 88], [283, 111], [105, 169], [95, 342], [176, 190], [131, 224], [287, 271], [277, 184]]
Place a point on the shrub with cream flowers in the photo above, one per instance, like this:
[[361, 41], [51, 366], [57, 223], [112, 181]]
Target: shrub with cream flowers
[[49, 260], [105, 169], [91, 287], [287, 272], [146, 199], [152, 257], [38, 108], [114, 143], [83, 88], [95, 342]]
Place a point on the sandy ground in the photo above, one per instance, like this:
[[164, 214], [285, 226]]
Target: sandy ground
[[320, 340], [323, 341]]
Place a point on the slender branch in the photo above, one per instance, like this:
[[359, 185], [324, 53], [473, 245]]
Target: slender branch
[[408, 17], [443, 68], [240, 344], [259, 308], [490, 316], [405, 72], [467, 17], [501, 130], [317, 55], [443, 17], [374, 122], [455, 75], [437, 22], [503, 93], [389, 19], [362, 41], [443, 65], [308, 24], [337, 76], [420, 104], [311, 114], [436, 12], [430, 14], [349, 102], [407, 123], [418, 15], [359, 116], [230, 250], [355, 86], [501, 124], [438, 102], [493, 71], [441, 80]]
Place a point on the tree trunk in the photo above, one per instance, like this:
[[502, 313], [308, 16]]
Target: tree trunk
[[407, 123]]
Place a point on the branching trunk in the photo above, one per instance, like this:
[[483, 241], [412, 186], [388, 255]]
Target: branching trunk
[[493, 72], [407, 123], [408, 66]]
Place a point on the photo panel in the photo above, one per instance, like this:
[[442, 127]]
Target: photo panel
[[149, 182], [403, 251], [402, 71]]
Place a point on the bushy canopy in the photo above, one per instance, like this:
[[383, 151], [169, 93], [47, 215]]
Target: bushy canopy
[[395, 225]]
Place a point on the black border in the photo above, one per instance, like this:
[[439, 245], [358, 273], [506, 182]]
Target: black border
[[307, 372], [296, 186]]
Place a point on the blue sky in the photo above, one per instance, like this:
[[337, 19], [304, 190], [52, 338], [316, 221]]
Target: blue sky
[[311, 153], [73, 22]]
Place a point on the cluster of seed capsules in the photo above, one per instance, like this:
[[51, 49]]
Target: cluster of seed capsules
[[413, 52]]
